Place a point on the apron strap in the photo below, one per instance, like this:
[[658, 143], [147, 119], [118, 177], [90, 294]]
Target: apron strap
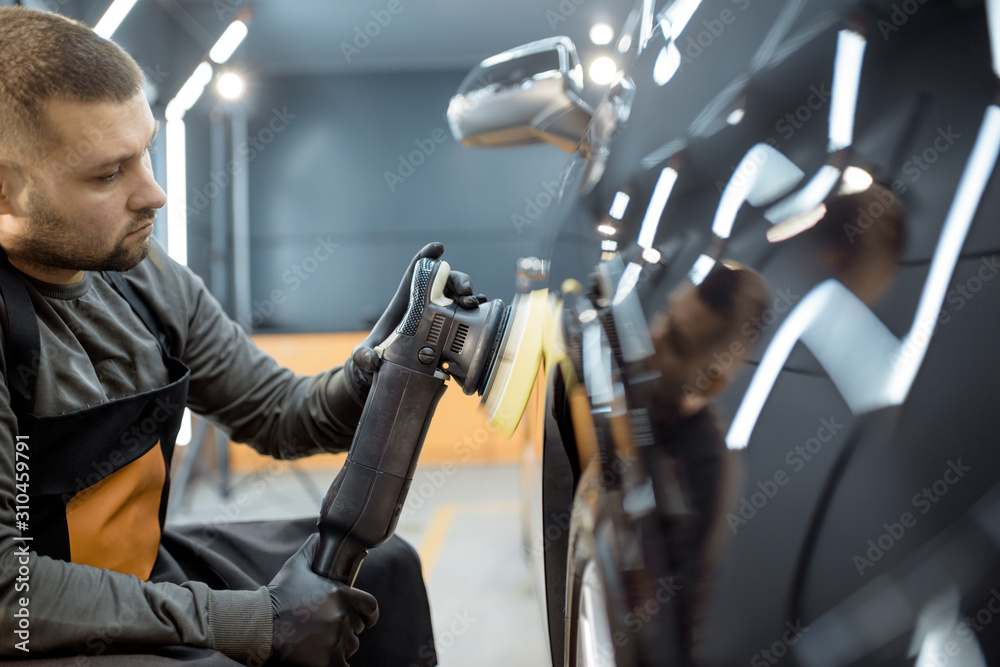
[[142, 310], [22, 345]]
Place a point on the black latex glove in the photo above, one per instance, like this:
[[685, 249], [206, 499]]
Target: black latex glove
[[316, 620], [364, 361]]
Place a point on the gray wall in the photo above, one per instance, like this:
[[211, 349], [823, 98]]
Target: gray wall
[[323, 176], [321, 181]]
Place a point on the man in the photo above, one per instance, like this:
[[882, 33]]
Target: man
[[699, 347], [97, 366], [701, 338]]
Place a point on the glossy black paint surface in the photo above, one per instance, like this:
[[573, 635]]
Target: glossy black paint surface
[[804, 556]]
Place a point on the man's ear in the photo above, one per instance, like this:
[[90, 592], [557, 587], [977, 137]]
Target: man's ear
[[12, 185]]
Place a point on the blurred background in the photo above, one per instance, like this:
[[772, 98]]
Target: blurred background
[[339, 113], [306, 156]]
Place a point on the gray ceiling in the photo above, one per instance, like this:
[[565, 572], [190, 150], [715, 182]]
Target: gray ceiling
[[308, 36], [301, 37]]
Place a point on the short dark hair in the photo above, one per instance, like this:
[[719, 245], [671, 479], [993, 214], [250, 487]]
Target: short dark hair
[[46, 56], [864, 227], [737, 294]]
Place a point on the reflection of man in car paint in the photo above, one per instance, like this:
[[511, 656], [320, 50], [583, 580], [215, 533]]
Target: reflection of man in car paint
[[700, 340], [699, 337], [858, 241], [699, 347]]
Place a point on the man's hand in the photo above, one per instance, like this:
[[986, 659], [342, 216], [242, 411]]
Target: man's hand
[[364, 360], [316, 621]]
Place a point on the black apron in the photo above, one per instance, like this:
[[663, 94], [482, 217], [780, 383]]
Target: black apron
[[101, 475], [100, 482]]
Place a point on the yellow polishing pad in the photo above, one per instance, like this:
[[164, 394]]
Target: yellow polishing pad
[[507, 392]]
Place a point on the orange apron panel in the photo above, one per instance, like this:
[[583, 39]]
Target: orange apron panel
[[115, 523]]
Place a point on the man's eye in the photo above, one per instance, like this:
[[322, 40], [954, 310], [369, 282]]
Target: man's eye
[[110, 177]]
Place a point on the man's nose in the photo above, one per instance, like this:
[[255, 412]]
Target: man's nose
[[148, 194]]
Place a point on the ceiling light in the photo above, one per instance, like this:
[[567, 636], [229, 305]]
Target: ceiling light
[[230, 86], [189, 92], [601, 34], [113, 18], [230, 40], [603, 70], [607, 229], [176, 143]]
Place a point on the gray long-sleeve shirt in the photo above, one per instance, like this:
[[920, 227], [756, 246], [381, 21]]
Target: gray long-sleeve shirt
[[95, 349]]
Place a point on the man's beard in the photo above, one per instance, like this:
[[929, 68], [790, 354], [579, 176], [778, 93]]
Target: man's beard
[[52, 242]]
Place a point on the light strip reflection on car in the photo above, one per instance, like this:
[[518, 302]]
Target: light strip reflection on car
[[664, 152], [797, 225], [956, 228], [664, 185], [596, 365], [668, 61], [993, 22], [645, 24], [774, 358], [701, 267], [844, 94], [627, 283], [809, 197], [619, 205], [763, 175], [882, 370], [675, 18], [767, 49], [739, 185]]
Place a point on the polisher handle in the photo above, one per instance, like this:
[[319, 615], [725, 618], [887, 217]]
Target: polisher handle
[[362, 507]]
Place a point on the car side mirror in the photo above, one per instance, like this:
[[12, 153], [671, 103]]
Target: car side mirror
[[526, 95]]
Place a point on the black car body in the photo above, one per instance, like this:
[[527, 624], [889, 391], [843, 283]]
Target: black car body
[[864, 526]]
